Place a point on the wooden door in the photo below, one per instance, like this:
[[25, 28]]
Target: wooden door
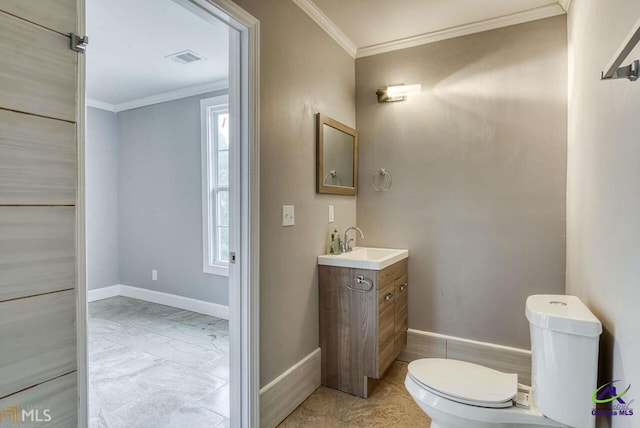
[[38, 193]]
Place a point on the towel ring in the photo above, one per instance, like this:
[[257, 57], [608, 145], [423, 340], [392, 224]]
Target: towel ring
[[386, 183], [360, 279], [333, 174]]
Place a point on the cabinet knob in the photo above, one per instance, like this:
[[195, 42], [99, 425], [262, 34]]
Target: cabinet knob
[[388, 296], [403, 286]]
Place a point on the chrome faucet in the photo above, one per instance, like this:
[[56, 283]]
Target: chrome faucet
[[347, 241]]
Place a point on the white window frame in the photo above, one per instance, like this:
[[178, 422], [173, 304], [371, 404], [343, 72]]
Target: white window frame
[[209, 212]]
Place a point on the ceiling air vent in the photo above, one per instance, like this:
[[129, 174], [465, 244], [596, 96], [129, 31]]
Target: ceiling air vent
[[185, 57]]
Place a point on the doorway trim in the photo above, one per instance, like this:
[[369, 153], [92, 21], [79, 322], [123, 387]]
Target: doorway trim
[[244, 294]]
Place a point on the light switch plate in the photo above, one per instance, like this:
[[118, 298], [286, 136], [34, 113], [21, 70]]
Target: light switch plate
[[154, 275], [288, 215], [331, 216]]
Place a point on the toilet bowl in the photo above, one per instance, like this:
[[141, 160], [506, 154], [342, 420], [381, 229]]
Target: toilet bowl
[[564, 356]]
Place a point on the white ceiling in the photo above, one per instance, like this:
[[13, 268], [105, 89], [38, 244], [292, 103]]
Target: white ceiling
[[373, 22], [128, 40]]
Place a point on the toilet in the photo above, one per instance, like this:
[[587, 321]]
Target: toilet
[[564, 357]]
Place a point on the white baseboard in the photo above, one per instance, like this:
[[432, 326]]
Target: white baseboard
[[286, 392], [424, 344], [186, 303], [103, 293]]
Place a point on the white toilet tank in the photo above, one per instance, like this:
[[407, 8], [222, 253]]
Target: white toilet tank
[[564, 357]]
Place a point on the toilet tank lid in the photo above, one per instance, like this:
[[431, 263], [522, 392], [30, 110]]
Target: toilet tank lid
[[566, 314]]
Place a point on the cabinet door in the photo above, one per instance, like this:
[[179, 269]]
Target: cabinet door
[[386, 328], [401, 324], [348, 322]]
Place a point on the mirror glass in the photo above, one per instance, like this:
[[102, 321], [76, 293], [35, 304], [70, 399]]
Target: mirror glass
[[337, 157]]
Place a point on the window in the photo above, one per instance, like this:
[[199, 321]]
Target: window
[[215, 184]]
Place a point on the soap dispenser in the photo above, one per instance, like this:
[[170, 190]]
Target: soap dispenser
[[335, 246]]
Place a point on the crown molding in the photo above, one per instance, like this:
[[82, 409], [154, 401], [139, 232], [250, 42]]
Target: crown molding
[[160, 98], [101, 105], [327, 25], [173, 95], [565, 4], [463, 30]]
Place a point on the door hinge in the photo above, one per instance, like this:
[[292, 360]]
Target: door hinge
[[79, 43], [232, 257]]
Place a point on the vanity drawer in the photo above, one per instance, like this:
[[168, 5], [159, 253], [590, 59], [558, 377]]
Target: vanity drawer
[[389, 274], [386, 330]]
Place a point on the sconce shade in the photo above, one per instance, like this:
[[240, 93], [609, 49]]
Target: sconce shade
[[397, 92]]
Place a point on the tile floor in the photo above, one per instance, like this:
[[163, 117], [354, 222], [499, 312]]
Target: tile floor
[[156, 366], [390, 405]]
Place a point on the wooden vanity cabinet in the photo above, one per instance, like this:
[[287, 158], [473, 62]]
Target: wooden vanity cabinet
[[363, 324]]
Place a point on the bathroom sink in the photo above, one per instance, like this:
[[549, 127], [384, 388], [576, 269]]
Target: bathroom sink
[[364, 258]]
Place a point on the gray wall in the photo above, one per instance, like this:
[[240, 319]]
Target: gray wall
[[479, 166], [160, 201], [102, 199], [302, 72], [603, 187]]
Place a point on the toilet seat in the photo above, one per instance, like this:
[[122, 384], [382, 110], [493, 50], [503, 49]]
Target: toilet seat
[[465, 383], [454, 414]]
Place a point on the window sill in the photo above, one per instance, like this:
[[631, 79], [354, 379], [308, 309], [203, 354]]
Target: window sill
[[216, 270]]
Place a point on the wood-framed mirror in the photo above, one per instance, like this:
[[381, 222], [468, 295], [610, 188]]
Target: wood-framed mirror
[[337, 157]]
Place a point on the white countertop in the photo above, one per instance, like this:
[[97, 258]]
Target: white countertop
[[365, 258]]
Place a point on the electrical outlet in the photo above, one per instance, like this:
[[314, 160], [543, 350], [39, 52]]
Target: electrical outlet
[[154, 275], [331, 216]]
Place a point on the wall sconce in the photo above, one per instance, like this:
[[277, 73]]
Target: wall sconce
[[397, 93]]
